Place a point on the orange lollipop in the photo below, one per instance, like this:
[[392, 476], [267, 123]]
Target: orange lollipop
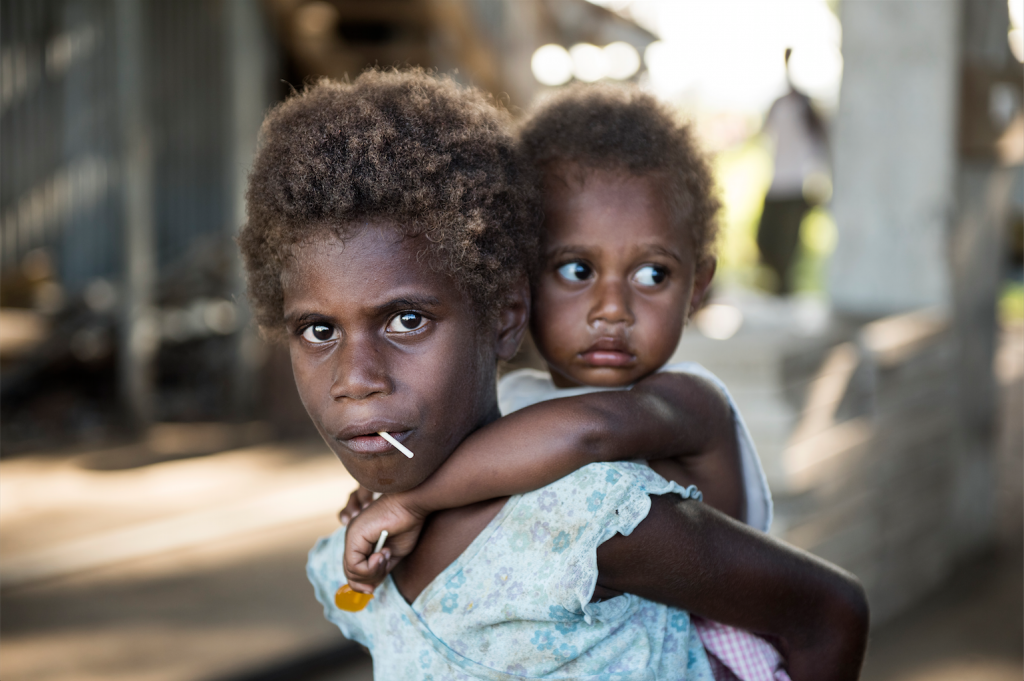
[[354, 601]]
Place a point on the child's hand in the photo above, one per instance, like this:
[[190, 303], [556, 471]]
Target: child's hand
[[365, 569], [357, 501]]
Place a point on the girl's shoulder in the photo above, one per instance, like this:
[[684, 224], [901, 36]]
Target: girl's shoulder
[[553, 533], [693, 368], [522, 591], [525, 387]]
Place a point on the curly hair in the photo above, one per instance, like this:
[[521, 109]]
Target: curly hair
[[621, 129], [406, 148]]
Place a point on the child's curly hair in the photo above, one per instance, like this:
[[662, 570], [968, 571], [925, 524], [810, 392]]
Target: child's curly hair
[[401, 147], [605, 127]]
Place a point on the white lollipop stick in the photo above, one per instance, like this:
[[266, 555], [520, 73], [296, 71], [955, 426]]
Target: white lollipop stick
[[380, 542], [398, 445]]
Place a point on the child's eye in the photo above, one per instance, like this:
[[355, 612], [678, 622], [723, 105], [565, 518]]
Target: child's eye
[[575, 271], [406, 322], [650, 275], [319, 333]]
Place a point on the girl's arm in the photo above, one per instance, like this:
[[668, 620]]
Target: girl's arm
[[689, 556]]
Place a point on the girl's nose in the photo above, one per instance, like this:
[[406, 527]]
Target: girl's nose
[[360, 370], [611, 303]]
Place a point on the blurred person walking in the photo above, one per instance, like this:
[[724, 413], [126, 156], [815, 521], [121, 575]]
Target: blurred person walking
[[800, 163]]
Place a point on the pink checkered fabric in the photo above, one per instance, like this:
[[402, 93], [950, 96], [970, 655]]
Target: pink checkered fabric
[[738, 655]]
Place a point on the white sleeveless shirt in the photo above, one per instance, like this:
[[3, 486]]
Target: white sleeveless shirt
[[526, 387]]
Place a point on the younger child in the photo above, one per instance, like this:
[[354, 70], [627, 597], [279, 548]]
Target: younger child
[[626, 256], [388, 225]]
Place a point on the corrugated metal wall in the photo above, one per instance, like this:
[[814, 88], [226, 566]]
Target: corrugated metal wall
[[58, 141], [189, 100], [126, 130], [59, 131]]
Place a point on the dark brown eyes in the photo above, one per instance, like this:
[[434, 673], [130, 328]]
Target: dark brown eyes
[[319, 333], [406, 322]]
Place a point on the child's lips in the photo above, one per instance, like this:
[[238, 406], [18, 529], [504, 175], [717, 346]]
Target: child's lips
[[608, 353], [608, 358]]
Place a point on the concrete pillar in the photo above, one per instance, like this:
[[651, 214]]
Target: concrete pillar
[[249, 69], [991, 79], [139, 332], [894, 147]]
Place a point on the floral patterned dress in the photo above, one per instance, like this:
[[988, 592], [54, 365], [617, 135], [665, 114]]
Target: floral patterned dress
[[516, 604]]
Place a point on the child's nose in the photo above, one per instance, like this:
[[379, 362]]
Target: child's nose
[[611, 304], [360, 370]]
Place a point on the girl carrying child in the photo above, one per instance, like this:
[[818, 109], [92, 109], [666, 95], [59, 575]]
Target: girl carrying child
[[391, 226], [626, 255]]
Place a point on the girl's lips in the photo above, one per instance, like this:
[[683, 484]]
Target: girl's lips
[[374, 444]]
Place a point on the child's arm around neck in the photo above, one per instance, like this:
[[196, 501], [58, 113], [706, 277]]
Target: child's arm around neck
[[665, 415]]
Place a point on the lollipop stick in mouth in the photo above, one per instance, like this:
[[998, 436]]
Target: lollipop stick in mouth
[[397, 445]]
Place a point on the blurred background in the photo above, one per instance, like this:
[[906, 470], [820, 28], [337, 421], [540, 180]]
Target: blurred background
[[159, 482]]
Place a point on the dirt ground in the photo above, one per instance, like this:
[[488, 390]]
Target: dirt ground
[[971, 629]]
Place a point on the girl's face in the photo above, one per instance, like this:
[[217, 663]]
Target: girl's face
[[618, 281], [379, 341]]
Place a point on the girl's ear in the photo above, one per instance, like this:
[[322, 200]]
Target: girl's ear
[[512, 320], [702, 281]]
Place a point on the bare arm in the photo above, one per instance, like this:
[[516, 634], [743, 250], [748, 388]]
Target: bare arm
[[665, 415], [679, 421], [689, 556]]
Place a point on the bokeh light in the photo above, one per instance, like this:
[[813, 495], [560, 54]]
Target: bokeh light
[[719, 321], [589, 62], [1015, 37], [551, 65], [623, 60]]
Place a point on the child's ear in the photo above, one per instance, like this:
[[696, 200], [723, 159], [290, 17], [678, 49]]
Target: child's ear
[[513, 320], [702, 281]]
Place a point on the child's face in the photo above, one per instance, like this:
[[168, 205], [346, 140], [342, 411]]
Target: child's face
[[618, 280], [379, 341]]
